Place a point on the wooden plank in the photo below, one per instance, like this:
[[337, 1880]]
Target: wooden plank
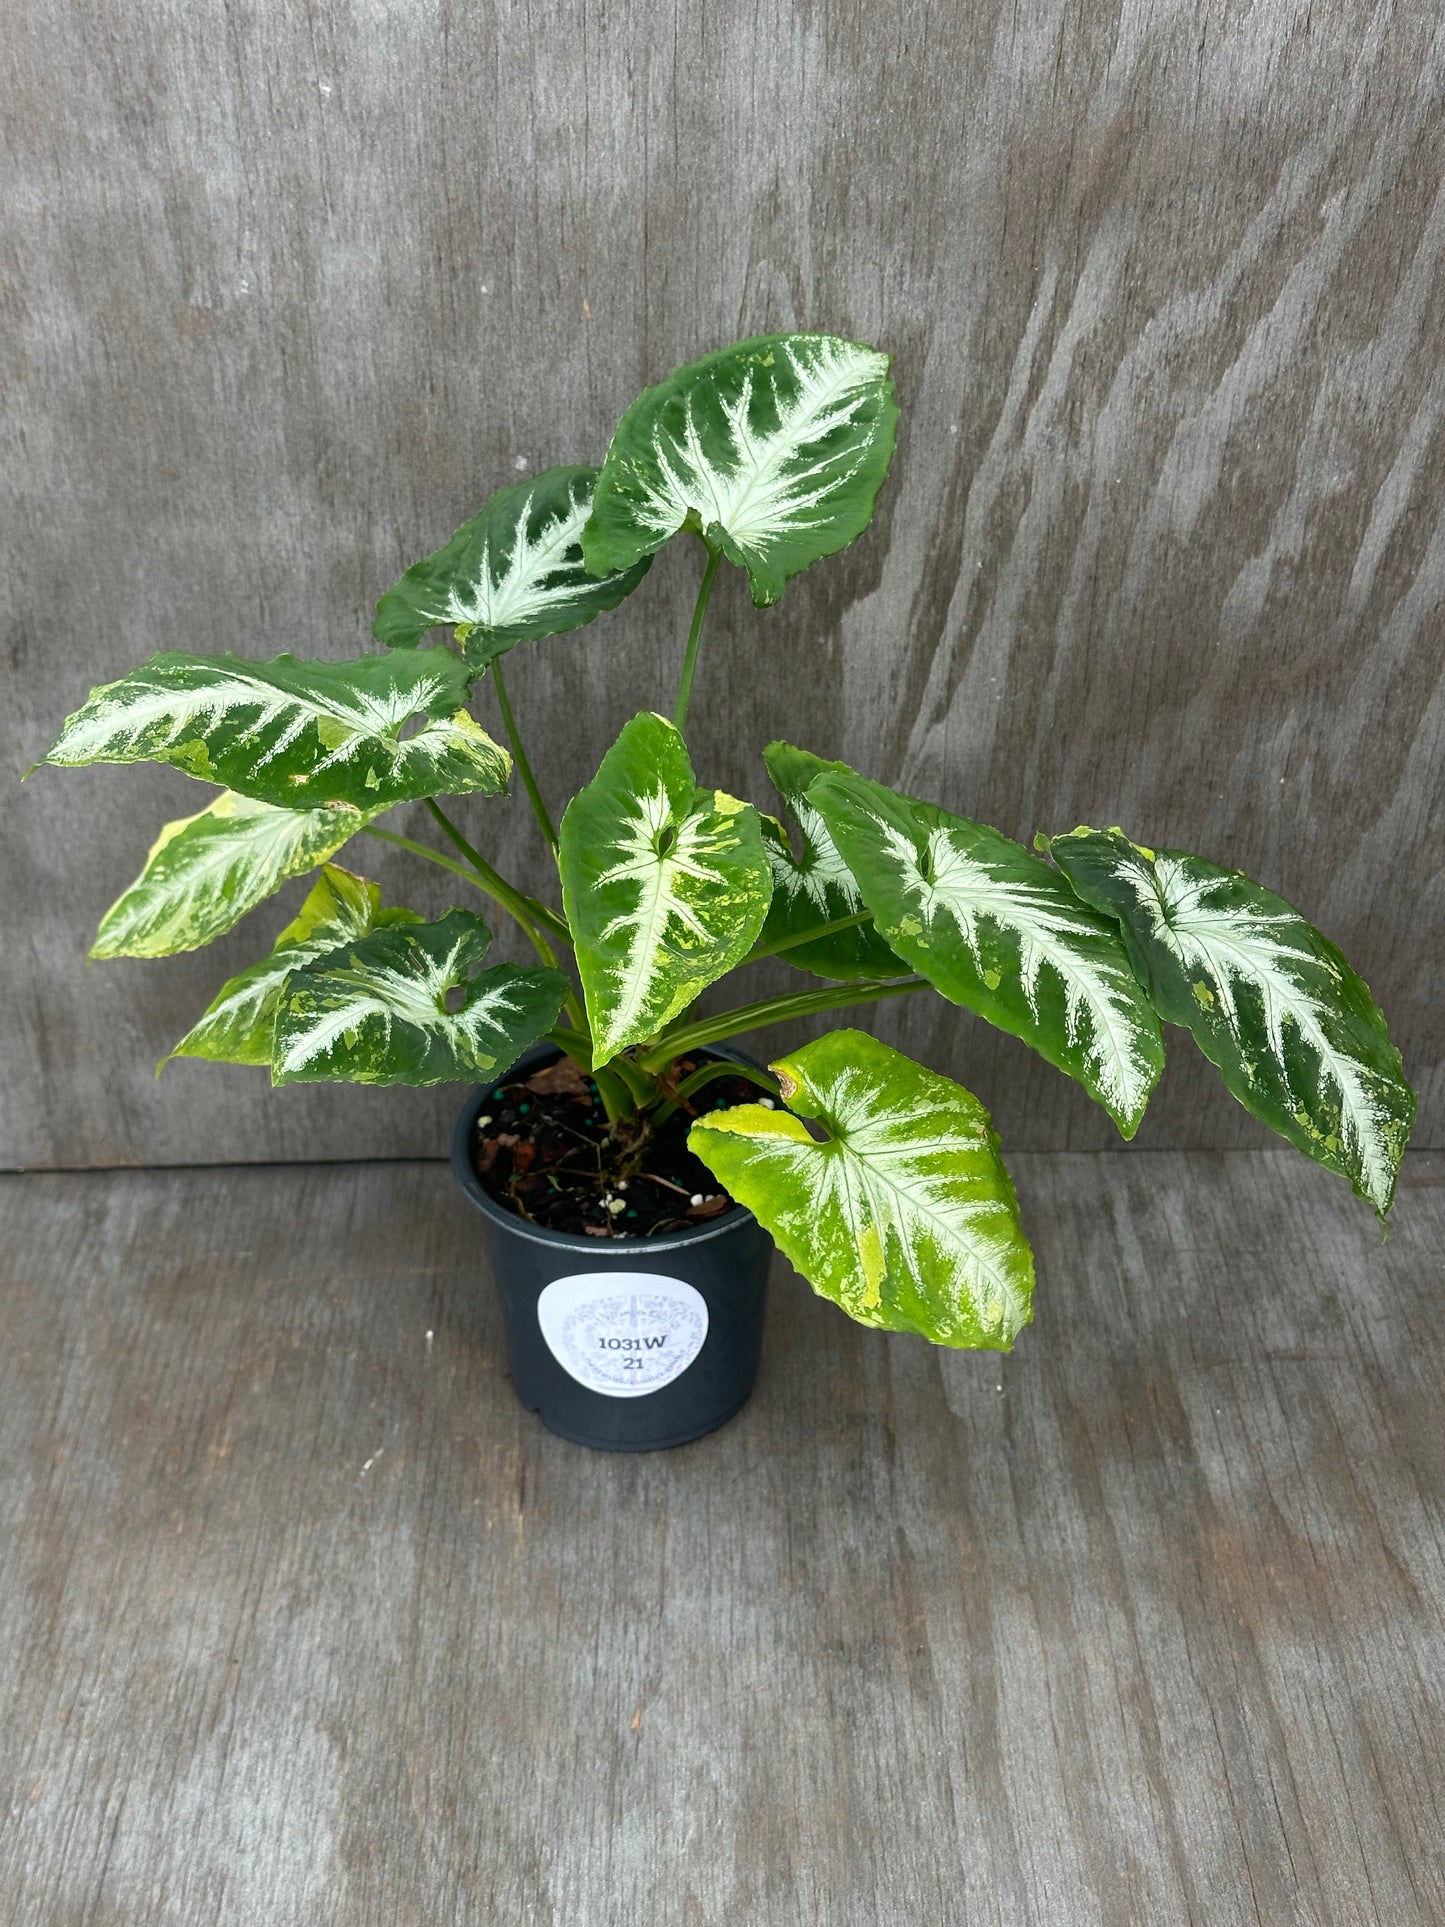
[[1164, 545], [303, 1620]]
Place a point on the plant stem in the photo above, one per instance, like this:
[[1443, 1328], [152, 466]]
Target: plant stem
[[642, 1088], [526, 912], [519, 754], [726, 1067], [574, 1043], [772, 1010], [807, 936], [494, 883], [480, 874], [616, 1098], [432, 856], [548, 919], [694, 1082], [694, 637]]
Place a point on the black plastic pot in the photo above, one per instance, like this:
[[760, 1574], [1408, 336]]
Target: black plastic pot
[[626, 1344]]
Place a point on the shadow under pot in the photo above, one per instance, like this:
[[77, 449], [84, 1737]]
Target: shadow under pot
[[625, 1344]]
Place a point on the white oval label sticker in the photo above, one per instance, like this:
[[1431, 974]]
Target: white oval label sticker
[[622, 1332]]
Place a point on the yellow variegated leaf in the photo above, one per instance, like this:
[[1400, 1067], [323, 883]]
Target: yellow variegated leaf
[[899, 1210], [298, 734], [205, 872], [237, 1025]]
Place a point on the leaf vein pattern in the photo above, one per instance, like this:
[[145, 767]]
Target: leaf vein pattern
[[765, 489], [533, 579], [1238, 949], [646, 925], [868, 1139], [161, 717], [1048, 934]]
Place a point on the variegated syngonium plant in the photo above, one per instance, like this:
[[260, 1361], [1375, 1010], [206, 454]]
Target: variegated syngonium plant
[[880, 1180]]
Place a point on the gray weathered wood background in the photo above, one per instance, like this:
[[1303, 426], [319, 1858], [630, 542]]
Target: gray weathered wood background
[[307, 1623], [288, 290], [304, 1622]]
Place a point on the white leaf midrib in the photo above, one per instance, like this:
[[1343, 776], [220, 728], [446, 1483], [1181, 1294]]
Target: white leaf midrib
[[1209, 939], [260, 846], [126, 712], [636, 969], [918, 1206], [865, 1139], [397, 994], [790, 436], [499, 602], [963, 888], [750, 500]]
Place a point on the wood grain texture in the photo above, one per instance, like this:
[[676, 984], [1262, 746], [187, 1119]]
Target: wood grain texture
[[303, 1620], [289, 291]]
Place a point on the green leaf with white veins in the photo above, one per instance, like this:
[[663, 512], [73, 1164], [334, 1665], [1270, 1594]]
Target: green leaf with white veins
[[816, 887], [1292, 1028], [665, 885], [994, 928], [236, 1027], [903, 1214], [511, 574], [205, 872], [774, 450], [299, 734], [377, 1011]]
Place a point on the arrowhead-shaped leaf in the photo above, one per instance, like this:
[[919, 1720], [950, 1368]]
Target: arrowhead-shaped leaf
[[774, 450], [376, 1011], [511, 574], [205, 872], [995, 929], [299, 734], [238, 1024], [904, 1214], [665, 885], [1273, 1003], [817, 886]]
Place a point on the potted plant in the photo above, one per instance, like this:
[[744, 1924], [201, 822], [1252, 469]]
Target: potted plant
[[630, 1168]]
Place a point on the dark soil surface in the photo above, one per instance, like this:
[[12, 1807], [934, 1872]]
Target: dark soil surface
[[541, 1148]]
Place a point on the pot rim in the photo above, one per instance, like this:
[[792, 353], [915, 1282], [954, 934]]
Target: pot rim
[[537, 1056]]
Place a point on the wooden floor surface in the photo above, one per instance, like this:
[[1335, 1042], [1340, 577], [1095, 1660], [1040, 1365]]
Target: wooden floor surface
[[303, 1620]]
